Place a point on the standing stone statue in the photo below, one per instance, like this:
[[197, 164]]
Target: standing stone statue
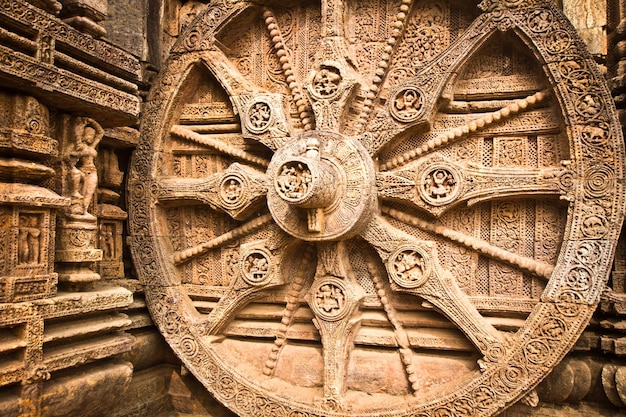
[[82, 175], [78, 228]]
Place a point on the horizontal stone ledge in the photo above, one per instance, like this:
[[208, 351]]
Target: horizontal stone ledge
[[65, 304], [30, 195], [66, 90], [75, 353], [81, 46]]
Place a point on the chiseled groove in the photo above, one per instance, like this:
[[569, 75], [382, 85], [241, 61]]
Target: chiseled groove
[[12, 38], [224, 148], [470, 128], [10, 342], [85, 326], [532, 266], [284, 57], [383, 66], [75, 352], [400, 334], [288, 313], [185, 255]]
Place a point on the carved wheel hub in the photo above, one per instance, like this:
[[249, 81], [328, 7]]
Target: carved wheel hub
[[334, 205], [323, 186]]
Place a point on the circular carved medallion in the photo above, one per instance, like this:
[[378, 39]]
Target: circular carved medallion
[[232, 189], [407, 104], [326, 82], [388, 213], [329, 299], [259, 116], [440, 184], [409, 267], [256, 267]]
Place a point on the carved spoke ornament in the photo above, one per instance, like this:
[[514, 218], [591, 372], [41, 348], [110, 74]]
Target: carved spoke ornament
[[376, 208]]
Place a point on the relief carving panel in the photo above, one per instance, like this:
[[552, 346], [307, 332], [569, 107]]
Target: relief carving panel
[[336, 184]]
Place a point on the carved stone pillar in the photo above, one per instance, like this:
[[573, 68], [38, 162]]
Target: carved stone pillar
[[85, 15], [27, 211], [110, 216], [78, 228]]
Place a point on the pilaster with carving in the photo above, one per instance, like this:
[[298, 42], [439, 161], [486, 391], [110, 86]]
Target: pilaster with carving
[[77, 240]]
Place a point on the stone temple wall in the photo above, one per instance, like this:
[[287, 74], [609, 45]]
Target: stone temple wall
[[83, 86]]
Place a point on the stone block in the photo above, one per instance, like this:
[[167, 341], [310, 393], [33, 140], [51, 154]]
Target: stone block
[[88, 391]]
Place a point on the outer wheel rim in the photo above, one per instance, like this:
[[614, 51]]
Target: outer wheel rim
[[489, 392]]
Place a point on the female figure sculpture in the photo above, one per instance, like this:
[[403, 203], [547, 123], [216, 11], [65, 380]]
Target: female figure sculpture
[[82, 177]]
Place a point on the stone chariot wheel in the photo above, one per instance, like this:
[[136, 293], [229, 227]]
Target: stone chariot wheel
[[368, 208]]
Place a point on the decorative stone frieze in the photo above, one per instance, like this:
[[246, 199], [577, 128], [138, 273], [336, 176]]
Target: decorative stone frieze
[[28, 218], [67, 67]]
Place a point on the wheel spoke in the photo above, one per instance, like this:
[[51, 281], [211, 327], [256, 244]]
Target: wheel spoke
[[285, 56], [461, 132], [188, 134], [413, 268], [237, 190], [259, 270], [530, 265], [262, 113], [399, 332], [263, 118], [410, 104], [296, 287], [435, 185], [373, 90], [334, 82], [334, 298], [247, 228], [333, 14]]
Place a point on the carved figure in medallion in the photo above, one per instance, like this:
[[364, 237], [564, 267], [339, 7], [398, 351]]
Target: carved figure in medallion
[[439, 184], [326, 82], [256, 267], [294, 180], [232, 191], [407, 104], [260, 115], [409, 268], [330, 299]]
